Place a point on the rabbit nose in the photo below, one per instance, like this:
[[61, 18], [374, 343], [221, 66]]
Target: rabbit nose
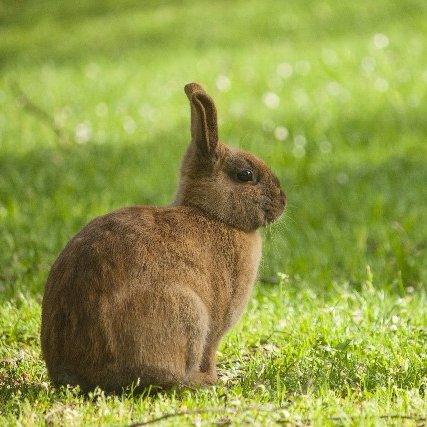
[[283, 197]]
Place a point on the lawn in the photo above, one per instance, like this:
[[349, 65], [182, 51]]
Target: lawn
[[333, 95]]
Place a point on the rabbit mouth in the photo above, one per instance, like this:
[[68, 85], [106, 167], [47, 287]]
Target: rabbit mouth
[[270, 217], [273, 210]]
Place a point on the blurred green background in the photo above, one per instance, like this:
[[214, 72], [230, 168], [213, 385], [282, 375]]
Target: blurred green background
[[333, 95]]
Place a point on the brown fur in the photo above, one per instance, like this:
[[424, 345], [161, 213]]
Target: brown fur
[[144, 294]]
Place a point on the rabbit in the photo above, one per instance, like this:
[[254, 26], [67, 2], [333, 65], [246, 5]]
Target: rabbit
[[143, 295]]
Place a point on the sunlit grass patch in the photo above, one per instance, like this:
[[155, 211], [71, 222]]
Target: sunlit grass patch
[[356, 353]]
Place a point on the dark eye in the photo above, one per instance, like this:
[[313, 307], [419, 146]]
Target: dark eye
[[245, 175]]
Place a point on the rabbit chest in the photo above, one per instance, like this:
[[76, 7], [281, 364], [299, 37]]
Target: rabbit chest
[[182, 248]]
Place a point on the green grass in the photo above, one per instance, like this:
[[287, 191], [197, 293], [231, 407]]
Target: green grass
[[342, 338]]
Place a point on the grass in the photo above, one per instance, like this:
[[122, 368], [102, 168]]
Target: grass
[[332, 95]]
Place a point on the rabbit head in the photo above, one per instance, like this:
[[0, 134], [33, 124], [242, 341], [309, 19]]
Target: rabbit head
[[227, 184]]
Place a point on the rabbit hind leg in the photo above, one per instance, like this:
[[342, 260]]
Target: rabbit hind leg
[[173, 343]]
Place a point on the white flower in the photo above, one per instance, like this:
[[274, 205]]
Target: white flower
[[83, 132], [271, 100], [380, 40], [223, 83], [284, 70], [281, 133]]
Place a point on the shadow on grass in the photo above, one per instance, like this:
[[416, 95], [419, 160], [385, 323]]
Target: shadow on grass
[[336, 229], [343, 218]]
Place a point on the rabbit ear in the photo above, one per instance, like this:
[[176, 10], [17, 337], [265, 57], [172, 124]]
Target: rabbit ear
[[204, 125]]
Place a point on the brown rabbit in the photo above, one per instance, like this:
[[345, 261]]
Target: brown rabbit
[[143, 295]]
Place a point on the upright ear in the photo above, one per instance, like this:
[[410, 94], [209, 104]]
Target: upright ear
[[204, 125]]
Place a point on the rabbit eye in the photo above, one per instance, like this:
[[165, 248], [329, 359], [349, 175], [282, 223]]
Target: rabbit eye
[[245, 175]]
